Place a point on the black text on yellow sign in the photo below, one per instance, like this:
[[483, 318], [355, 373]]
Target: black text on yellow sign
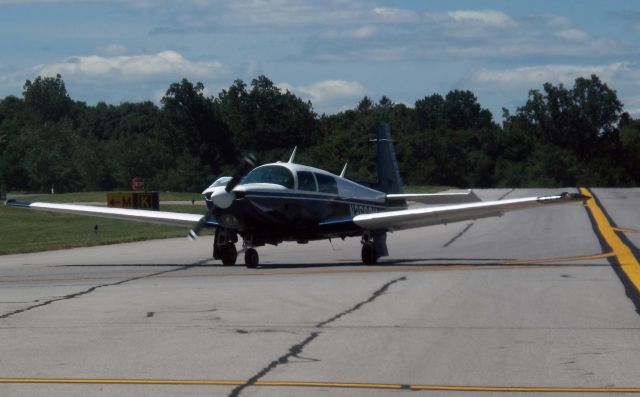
[[139, 200]]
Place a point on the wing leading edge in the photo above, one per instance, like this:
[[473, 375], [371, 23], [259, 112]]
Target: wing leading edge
[[158, 217], [427, 216]]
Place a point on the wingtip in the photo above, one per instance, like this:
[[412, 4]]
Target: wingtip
[[574, 196], [564, 197], [16, 203]]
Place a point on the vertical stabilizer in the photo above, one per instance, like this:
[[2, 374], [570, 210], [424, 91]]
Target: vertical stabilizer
[[389, 179]]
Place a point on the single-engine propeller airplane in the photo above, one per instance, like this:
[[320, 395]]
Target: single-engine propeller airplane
[[281, 201]]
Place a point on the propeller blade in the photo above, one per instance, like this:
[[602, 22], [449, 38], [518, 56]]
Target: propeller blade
[[195, 231], [224, 199], [247, 164]]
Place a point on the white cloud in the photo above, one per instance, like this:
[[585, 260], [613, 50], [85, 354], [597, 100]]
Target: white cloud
[[536, 75], [572, 35], [364, 32], [165, 64], [327, 90], [394, 14], [328, 96], [485, 17], [624, 77], [551, 21]]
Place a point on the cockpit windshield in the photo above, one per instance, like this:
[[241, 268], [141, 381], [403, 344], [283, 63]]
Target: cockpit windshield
[[270, 174], [222, 181]]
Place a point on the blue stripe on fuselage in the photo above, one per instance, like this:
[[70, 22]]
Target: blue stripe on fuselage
[[295, 211], [319, 197]]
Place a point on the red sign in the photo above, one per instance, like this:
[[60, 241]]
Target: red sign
[[137, 183]]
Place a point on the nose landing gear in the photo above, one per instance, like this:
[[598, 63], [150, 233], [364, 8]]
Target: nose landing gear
[[229, 254], [224, 247]]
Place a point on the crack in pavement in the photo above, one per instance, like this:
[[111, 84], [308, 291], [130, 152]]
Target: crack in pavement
[[373, 297], [95, 287], [506, 194], [458, 235], [296, 350], [472, 223]]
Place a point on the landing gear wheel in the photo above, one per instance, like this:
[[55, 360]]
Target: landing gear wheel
[[251, 258], [229, 255], [369, 254]]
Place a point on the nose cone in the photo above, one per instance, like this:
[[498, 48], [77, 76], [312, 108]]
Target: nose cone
[[221, 198]]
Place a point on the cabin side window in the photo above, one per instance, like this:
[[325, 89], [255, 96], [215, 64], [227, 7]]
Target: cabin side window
[[306, 181], [326, 184]]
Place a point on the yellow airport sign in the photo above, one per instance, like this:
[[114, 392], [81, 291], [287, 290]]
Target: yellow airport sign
[[140, 200]]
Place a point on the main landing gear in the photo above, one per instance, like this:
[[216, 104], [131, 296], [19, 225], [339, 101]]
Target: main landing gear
[[374, 245], [369, 254], [251, 258]]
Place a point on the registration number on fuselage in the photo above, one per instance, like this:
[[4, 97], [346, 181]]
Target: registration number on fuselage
[[359, 209]]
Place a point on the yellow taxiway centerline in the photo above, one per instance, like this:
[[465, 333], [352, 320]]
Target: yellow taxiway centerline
[[627, 260], [311, 384]]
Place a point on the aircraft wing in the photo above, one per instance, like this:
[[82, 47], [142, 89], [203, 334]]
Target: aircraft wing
[[426, 216], [160, 217], [437, 198]]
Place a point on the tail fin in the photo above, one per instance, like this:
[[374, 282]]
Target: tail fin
[[389, 179]]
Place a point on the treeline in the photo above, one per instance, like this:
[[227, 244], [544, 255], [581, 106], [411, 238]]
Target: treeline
[[560, 137]]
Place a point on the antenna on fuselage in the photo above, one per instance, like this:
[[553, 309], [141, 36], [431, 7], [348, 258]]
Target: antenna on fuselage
[[344, 170], [293, 155]]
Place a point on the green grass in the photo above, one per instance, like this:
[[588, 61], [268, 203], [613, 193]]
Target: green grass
[[96, 197], [24, 230]]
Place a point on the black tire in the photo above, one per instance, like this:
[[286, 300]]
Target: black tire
[[229, 255], [251, 258], [369, 254]]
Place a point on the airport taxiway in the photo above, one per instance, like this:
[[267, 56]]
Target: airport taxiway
[[535, 301]]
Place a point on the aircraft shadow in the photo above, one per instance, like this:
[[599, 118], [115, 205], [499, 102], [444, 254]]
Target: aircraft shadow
[[404, 262], [427, 263]]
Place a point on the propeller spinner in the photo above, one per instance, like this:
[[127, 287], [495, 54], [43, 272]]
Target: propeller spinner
[[222, 197]]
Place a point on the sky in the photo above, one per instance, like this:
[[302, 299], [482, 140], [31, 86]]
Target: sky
[[331, 52]]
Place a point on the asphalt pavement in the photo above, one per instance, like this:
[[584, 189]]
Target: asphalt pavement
[[541, 300]]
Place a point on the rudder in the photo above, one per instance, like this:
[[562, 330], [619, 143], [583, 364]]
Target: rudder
[[389, 179]]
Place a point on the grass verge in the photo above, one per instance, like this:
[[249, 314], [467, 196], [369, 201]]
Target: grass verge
[[24, 230], [100, 197]]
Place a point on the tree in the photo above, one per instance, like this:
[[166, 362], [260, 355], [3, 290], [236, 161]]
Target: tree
[[266, 119], [50, 157], [193, 120], [47, 98], [430, 112], [462, 111], [579, 124], [630, 139]]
